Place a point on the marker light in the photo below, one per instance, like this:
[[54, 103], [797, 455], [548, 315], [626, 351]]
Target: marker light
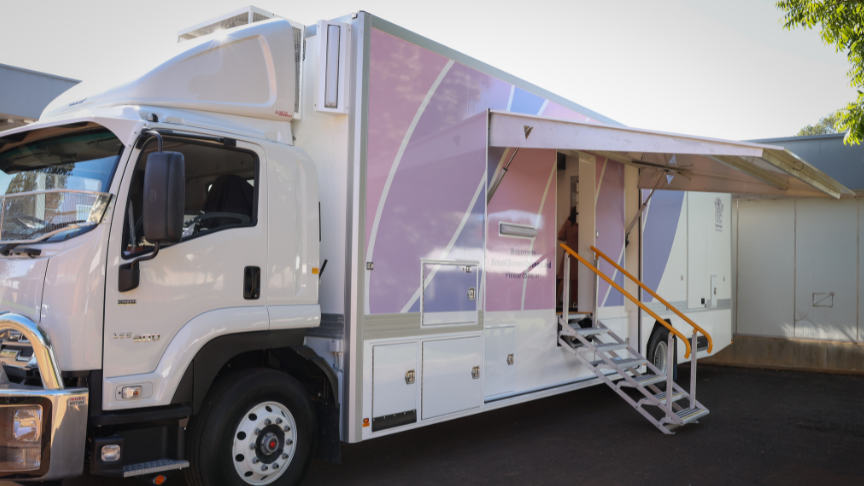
[[130, 392], [110, 453]]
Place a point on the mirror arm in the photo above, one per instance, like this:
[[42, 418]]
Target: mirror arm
[[130, 273], [144, 258], [158, 138]]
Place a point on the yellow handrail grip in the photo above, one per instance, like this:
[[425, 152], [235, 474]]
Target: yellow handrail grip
[[660, 299], [633, 299]]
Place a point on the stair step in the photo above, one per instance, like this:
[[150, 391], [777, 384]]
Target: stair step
[[646, 380], [622, 363], [677, 395], [691, 414], [590, 331], [610, 347]]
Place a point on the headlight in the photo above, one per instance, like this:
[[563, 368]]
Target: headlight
[[27, 424], [21, 438]]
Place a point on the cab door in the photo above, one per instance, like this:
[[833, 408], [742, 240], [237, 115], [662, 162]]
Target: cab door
[[219, 265]]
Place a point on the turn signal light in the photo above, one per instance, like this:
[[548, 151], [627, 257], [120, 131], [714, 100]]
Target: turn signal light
[[110, 453]]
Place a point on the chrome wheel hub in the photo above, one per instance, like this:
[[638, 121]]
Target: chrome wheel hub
[[264, 443]]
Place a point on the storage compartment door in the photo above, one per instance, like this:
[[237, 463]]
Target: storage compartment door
[[449, 293], [394, 389], [500, 361], [451, 376]]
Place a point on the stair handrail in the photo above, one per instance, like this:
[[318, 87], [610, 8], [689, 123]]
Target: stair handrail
[[632, 299], [659, 299]]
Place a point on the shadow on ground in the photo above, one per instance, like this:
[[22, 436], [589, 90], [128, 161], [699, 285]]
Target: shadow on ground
[[765, 427]]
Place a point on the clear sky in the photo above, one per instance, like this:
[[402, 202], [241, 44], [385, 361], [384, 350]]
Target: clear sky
[[723, 69]]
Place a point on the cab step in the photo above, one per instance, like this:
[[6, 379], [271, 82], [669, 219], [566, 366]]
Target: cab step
[[152, 467]]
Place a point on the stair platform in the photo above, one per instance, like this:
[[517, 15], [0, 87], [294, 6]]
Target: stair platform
[[590, 331], [677, 395], [646, 380], [691, 414], [621, 363]]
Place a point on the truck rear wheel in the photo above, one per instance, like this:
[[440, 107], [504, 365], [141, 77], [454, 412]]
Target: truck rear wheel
[[256, 427], [658, 348]]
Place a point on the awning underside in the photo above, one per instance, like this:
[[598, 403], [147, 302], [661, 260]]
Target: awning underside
[[695, 163]]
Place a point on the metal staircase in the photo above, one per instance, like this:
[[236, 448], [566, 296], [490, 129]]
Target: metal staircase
[[614, 354], [607, 356]]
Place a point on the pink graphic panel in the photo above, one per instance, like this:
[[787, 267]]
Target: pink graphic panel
[[434, 206], [554, 110], [401, 75], [510, 261], [540, 292]]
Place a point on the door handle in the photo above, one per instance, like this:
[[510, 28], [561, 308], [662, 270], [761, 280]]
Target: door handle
[[251, 283]]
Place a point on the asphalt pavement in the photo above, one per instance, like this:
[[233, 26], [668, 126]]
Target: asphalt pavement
[[765, 427]]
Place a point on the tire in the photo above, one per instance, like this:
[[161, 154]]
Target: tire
[[227, 435], [657, 349]]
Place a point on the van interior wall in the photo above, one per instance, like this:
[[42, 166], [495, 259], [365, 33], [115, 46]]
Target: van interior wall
[[798, 272]]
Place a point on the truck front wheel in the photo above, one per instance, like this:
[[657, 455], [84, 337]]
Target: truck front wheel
[[256, 427]]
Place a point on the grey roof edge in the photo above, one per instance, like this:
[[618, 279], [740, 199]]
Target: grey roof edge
[[429, 44], [795, 139], [38, 73]]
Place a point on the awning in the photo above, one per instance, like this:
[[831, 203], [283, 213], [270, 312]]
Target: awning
[[694, 163]]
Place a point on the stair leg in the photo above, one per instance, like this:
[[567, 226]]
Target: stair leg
[[693, 371]]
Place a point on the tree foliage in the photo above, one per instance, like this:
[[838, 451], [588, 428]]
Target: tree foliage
[[842, 23], [825, 126]]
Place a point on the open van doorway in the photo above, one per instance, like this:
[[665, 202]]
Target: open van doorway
[[567, 226]]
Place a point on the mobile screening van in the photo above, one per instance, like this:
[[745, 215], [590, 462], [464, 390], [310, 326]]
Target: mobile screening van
[[284, 237]]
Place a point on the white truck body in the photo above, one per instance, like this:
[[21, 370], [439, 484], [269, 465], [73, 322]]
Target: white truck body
[[375, 152]]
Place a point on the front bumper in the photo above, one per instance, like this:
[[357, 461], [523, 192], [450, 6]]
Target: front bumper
[[63, 421]]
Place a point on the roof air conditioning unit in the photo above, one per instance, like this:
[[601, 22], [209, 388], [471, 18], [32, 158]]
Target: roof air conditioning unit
[[245, 16]]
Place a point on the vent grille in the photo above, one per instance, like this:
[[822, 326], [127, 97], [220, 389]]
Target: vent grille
[[235, 21], [257, 17], [298, 47]]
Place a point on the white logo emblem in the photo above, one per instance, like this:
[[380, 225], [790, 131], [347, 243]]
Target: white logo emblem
[[718, 214]]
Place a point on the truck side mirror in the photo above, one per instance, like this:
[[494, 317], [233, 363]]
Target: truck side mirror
[[163, 208], [164, 197]]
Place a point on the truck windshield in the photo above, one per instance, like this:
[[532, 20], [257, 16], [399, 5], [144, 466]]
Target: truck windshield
[[55, 184]]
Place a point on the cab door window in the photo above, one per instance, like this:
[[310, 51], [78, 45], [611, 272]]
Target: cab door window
[[221, 191]]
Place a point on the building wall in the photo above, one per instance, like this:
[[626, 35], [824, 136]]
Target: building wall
[[798, 277], [26, 93], [798, 268]]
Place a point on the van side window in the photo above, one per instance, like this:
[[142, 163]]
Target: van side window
[[221, 192]]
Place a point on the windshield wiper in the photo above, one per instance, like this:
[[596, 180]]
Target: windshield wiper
[[6, 250], [11, 249]]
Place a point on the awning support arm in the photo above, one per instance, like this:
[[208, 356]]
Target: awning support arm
[[500, 177], [641, 210]]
